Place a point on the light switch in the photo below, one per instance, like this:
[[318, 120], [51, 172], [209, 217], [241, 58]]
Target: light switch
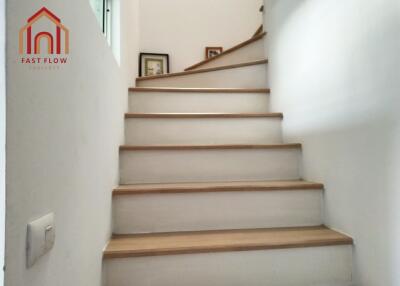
[[40, 238]]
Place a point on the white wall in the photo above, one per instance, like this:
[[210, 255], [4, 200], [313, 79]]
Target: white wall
[[63, 132], [334, 71], [129, 39], [2, 136], [183, 28]]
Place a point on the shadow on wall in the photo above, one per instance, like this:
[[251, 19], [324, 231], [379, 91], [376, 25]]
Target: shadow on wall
[[286, 8], [358, 165], [334, 69]]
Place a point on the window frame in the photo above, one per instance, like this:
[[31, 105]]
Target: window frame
[[106, 21]]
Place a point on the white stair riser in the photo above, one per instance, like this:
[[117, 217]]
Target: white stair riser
[[254, 76], [148, 213], [166, 166], [249, 53], [153, 131], [197, 102], [315, 266]]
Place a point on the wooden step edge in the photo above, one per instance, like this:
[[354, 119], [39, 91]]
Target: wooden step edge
[[210, 188], [259, 62], [200, 90], [218, 231], [207, 147], [222, 241], [258, 31], [253, 39], [204, 115]]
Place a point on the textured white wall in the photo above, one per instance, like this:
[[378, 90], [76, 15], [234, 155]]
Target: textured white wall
[[334, 71], [183, 28], [63, 132]]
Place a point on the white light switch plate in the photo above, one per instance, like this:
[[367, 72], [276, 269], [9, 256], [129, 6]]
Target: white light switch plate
[[40, 238]]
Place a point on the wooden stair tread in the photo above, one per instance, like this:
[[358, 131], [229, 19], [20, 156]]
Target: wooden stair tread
[[223, 240], [258, 36], [215, 187], [259, 62], [259, 31], [199, 90], [209, 147], [204, 115]]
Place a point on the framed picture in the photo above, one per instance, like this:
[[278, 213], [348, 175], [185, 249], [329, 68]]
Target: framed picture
[[213, 51], [153, 64]]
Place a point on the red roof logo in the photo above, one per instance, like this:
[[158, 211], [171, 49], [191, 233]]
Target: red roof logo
[[53, 38]]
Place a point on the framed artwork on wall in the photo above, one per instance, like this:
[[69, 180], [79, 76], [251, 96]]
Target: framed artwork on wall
[[213, 51], [153, 64]]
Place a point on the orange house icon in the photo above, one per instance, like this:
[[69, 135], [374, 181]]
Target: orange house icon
[[36, 40]]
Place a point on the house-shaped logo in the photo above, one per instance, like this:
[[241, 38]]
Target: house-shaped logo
[[56, 38]]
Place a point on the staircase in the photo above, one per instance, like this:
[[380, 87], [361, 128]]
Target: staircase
[[210, 194]]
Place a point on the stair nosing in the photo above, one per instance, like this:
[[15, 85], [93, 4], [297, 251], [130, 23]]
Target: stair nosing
[[259, 31], [200, 90], [234, 66], [229, 246], [177, 188], [204, 115], [209, 147], [253, 39]]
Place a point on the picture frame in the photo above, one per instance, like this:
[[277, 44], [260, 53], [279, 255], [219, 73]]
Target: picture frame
[[213, 51], [151, 64]]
